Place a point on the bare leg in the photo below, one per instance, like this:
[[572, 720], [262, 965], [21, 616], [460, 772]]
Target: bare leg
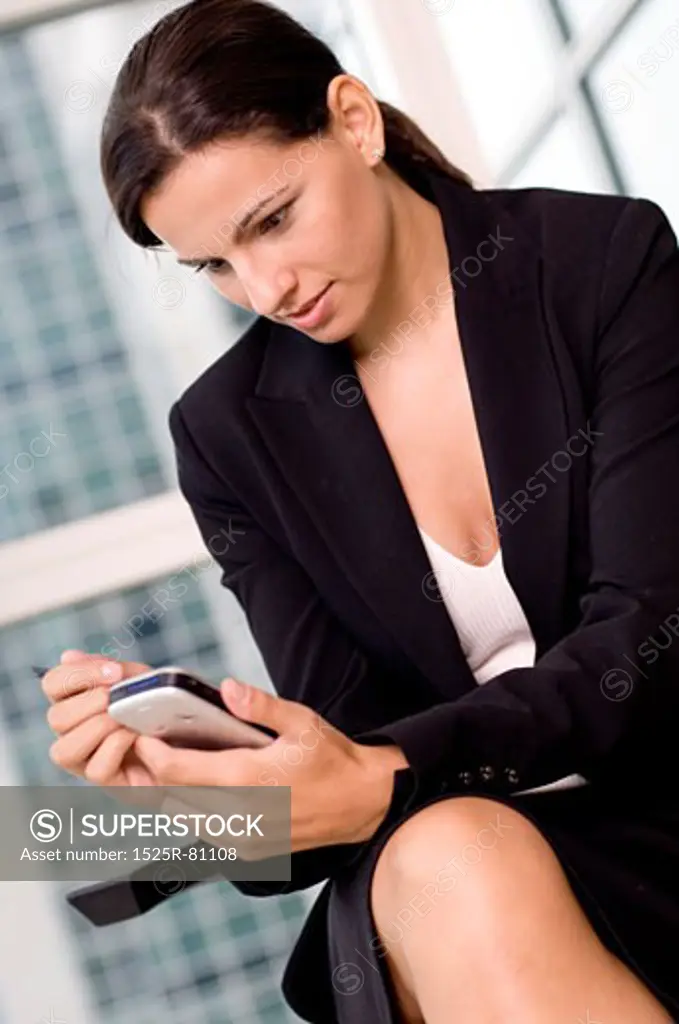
[[478, 923]]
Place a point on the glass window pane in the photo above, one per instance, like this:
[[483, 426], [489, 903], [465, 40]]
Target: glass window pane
[[505, 64], [567, 157], [209, 954], [637, 85], [65, 367]]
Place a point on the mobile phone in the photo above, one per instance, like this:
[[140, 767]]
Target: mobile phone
[[183, 710]]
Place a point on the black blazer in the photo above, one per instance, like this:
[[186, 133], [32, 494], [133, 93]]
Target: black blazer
[[570, 336]]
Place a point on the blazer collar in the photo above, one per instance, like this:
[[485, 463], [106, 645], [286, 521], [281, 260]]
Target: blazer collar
[[321, 432]]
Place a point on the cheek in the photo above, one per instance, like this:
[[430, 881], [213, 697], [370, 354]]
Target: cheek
[[359, 219], [350, 246]]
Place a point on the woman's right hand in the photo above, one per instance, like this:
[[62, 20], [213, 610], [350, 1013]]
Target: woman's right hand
[[90, 743]]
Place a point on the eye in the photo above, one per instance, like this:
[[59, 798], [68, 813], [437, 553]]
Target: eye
[[270, 223], [215, 266], [271, 219]]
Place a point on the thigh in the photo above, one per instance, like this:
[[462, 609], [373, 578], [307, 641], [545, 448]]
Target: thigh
[[455, 832], [620, 855]]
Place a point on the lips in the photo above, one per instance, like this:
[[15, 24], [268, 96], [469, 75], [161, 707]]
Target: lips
[[310, 305]]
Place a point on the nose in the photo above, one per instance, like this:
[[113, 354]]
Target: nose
[[270, 289]]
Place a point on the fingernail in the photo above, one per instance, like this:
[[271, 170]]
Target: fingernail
[[72, 652], [112, 670], [235, 690]]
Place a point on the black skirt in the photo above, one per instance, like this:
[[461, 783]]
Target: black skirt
[[618, 850]]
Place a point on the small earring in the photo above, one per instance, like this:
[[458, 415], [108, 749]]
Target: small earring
[[378, 153]]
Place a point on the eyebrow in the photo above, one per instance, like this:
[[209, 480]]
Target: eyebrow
[[240, 226]]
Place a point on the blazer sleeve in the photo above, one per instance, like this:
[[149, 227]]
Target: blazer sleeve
[[309, 656], [604, 701]]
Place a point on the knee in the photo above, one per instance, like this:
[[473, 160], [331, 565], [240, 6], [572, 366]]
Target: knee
[[429, 853]]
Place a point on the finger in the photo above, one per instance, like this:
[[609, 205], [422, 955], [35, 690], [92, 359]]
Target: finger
[[258, 705], [178, 766], [104, 766], [67, 680], [130, 668], [136, 773], [75, 748], [115, 768], [65, 714], [72, 654], [144, 788], [73, 657]]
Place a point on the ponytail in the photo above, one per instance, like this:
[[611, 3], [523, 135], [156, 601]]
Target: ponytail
[[409, 149]]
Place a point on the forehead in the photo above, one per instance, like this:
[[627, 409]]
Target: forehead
[[211, 192]]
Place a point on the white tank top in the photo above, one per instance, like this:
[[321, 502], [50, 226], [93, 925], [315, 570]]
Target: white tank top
[[493, 630]]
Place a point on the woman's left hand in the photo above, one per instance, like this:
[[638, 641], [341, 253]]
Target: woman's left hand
[[340, 790]]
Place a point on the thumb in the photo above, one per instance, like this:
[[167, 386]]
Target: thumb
[[258, 705]]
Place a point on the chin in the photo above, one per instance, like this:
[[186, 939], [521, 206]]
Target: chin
[[328, 340], [330, 334]]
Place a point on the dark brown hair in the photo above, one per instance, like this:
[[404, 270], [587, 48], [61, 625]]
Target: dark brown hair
[[218, 69]]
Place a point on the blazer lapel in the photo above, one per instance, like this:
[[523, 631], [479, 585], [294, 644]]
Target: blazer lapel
[[310, 409]]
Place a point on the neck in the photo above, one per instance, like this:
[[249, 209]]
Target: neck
[[415, 284]]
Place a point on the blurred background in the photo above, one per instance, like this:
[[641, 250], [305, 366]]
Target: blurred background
[[96, 341]]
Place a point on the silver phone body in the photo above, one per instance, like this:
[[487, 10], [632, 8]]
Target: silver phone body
[[174, 704]]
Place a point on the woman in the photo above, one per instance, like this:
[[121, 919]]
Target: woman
[[438, 474]]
